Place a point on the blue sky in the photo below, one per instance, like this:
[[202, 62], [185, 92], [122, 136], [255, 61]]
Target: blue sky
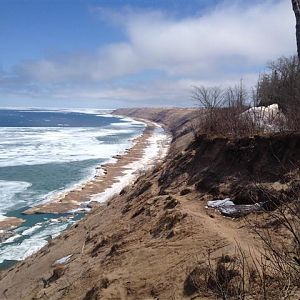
[[118, 53]]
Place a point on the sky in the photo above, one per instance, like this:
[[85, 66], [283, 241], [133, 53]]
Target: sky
[[135, 53]]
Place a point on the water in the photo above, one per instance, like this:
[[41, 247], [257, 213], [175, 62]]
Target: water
[[43, 153]]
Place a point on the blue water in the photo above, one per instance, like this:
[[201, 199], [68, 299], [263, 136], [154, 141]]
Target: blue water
[[43, 153], [29, 118]]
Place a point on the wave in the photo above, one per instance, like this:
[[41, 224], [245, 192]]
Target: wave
[[8, 191]]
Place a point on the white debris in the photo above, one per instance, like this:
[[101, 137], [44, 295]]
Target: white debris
[[220, 203], [227, 208], [63, 260]]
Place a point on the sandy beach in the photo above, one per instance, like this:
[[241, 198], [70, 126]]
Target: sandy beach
[[110, 178]]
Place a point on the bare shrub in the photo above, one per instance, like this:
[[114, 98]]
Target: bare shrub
[[222, 111], [224, 277], [282, 248], [211, 99], [280, 84], [293, 117], [240, 276], [273, 273]]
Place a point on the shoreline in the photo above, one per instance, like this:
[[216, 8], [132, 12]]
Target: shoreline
[[110, 177], [108, 180]]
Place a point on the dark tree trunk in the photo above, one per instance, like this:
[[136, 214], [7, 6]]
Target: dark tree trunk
[[296, 8]]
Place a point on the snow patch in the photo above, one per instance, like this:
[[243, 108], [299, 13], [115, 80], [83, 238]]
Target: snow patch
[[269, 118], [63, 260]]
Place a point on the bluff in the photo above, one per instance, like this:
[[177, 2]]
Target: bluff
[[144, 242]]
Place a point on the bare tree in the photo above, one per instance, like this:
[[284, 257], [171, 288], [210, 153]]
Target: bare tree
[[280, 84], [236, 96], [208, 97], [211, 100], [296, 8]]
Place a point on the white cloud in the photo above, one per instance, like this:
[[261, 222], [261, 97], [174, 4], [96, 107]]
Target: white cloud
[[223, 45]]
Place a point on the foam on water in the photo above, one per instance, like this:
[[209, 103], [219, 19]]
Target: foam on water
[[37, 152], [8, 191], [31, 146], [12, 239], [31, 230], [21, 251], [39, 235], [92, 111]]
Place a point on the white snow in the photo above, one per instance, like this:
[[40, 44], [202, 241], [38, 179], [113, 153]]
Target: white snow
[[269, 118]]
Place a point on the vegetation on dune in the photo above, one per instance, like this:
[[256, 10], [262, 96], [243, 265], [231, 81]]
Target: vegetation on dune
[[232, 112]]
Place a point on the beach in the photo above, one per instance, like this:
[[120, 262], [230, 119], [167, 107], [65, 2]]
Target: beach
[[110, 177], [121, 150]]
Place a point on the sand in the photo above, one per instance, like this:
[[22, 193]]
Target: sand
[[10, 222]]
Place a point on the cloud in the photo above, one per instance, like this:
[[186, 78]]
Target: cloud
[[228, 41]]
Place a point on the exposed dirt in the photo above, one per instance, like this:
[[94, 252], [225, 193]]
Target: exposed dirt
[[249, 170], [141, 244]]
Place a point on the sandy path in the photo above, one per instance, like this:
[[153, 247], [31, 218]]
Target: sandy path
[[234, 231]]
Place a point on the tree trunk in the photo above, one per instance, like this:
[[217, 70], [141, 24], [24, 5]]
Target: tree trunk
[[296, 8]]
